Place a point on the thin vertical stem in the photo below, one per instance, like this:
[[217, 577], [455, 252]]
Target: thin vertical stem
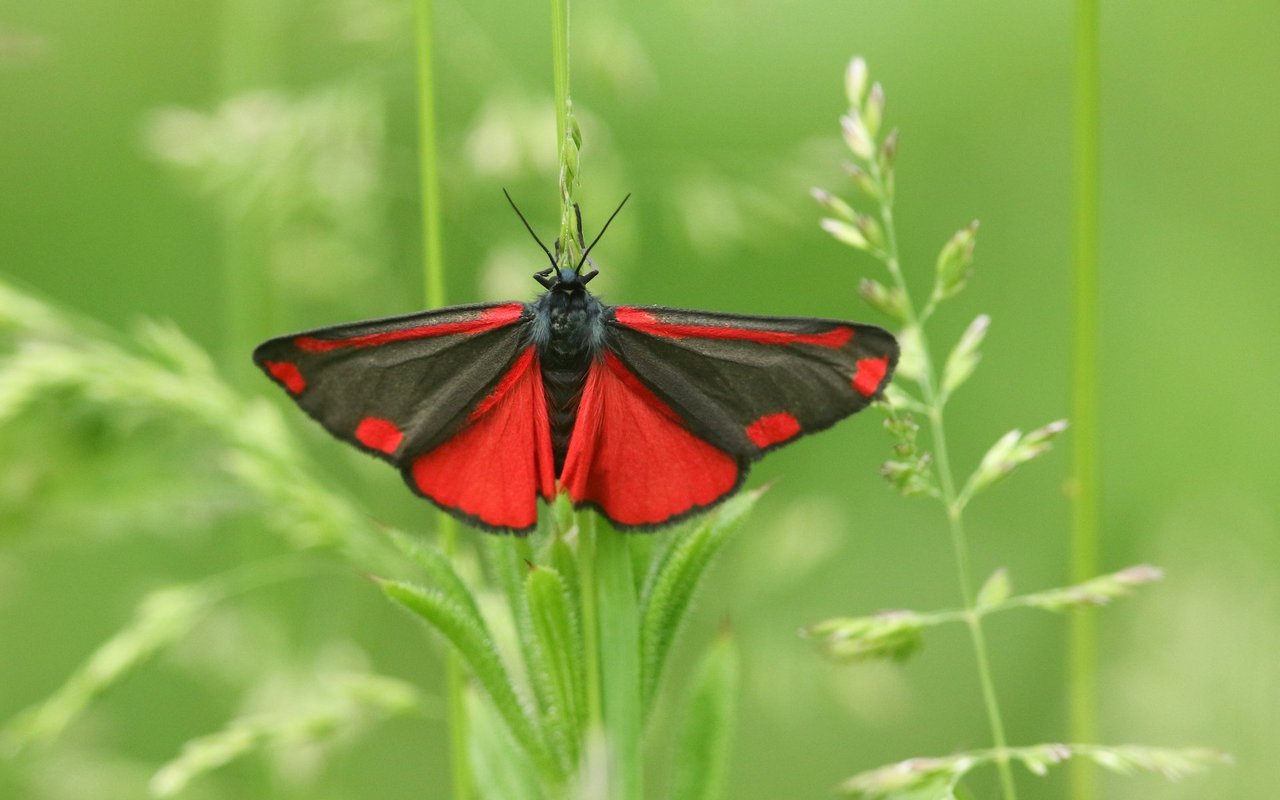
[[433, 290], [566, 132], [619, 655], [955, 517], [432, 249], [1084, 393]]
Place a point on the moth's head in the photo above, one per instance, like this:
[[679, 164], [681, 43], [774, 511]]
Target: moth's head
[[560, 277], [566, 280]]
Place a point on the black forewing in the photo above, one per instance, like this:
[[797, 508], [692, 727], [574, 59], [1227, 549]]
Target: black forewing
[[748, 384], [422, 373]]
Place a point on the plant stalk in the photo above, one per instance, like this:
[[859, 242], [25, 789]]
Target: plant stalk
[[619, 642], [1082, 646], [955, 516], [433, 290]]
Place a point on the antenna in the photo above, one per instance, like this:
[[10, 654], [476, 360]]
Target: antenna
[[529, 228], [601, 233]]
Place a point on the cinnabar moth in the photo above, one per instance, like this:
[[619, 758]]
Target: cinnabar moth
[[645, 413]]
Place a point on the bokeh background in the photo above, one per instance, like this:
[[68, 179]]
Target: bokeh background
[[246, 168]]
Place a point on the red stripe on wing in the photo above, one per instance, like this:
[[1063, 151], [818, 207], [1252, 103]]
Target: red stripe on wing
[[379, 434], [643, 321], [870, 374], [773, 429], [288, 374], [495, 467], [487, 320], [631, 457]]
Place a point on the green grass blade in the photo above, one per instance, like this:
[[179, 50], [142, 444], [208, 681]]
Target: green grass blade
[[475, 645], [559, 633], [706, 734], [672, 584]]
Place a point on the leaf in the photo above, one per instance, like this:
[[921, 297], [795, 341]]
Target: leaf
[[470, 636], [705, 737], [509, 559], [849, 640], [558, 630], [500, 769], [964, 356], [438, 568], [674, 579]]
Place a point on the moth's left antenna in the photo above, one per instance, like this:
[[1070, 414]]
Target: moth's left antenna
[[529, 228]]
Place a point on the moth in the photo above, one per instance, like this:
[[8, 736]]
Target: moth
[[646, 414]]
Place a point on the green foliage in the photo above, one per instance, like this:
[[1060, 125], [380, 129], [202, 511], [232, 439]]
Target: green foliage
[[898, 634], [672, 581], [701, 762], [468, 633]]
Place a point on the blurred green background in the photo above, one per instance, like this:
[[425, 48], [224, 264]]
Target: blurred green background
[[247, 168]]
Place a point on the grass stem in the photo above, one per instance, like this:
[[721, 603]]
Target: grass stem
[[955, 516], [433, 290], [619, 655], [1083, 681]]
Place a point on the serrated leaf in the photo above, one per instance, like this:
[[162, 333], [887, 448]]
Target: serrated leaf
[[671, 585], [559, 633], [995, 591], [964, 356], [438, 569], [705, 736], [470, 636], [499, 767]]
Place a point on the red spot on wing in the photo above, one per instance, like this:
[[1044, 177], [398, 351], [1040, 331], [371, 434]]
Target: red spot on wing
[[379, 434], [630, 455], [641, 320], [869, 375], [287, 373], [487, 320], [773, 429], [495, 467]]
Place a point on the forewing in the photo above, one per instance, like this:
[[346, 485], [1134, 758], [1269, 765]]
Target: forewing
[[452, 397], [748, 384]]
